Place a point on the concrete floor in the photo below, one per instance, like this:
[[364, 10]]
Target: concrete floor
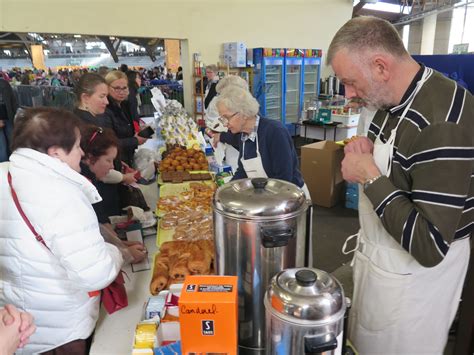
[[331, 227]]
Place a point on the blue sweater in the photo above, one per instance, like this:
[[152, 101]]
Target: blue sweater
[[277, 151]]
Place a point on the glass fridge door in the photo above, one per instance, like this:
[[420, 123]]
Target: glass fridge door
[[310, 82], [292, 93], [273, 76]]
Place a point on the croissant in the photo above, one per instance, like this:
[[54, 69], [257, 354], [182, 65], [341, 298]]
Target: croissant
[[160, 277], [178, 268], [201, 258]]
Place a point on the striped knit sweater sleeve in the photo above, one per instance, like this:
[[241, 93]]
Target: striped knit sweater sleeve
[[427, 202]]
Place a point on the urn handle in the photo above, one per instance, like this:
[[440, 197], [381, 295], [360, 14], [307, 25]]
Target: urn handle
[[316, 345]]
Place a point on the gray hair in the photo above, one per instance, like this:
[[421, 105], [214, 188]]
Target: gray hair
[[367, 33], [236, 99], [231, 80], [212, 67]]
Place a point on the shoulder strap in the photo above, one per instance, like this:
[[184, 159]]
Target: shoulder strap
[[38, 237]]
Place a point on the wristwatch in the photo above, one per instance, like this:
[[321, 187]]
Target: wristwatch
[[369, 182]]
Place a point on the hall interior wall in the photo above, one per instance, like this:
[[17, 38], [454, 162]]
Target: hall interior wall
[[202, 25]]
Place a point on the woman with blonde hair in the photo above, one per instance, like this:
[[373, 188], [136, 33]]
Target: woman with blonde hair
[[118, 111], [91, 97]]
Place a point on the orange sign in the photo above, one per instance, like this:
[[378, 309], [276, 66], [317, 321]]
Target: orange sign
[[208, 315]]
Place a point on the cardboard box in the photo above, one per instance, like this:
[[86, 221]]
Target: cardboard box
[[235, 54], [208, 314], [321, 169]]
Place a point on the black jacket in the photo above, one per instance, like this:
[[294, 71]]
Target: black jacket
[[121, 122], [110, 204], [133, 104], [210, 95], [88, 118], [8, 104]]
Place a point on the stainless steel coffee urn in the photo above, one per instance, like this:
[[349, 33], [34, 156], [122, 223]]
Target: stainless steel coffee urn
[[305, 311], [261, 227]]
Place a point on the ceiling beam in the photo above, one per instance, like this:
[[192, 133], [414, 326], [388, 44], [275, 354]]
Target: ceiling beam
[[119, 41], [27, 43], [420, 15], [357, 8], [110, 47], [149, 49]]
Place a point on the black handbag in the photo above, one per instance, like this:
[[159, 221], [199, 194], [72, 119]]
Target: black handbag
[[132, 196]]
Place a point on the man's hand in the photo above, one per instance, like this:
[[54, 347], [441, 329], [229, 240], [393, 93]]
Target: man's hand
[[2, 123], [361, 145], [359, 167]]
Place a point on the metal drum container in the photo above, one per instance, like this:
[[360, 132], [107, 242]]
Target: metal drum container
[[305, 310], [261, 227]]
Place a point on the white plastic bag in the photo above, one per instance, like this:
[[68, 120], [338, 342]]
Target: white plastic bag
[[144, 162]]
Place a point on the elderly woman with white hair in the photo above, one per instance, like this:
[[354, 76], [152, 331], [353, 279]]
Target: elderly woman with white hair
[[265, 146], [216, 128], [212, 114]]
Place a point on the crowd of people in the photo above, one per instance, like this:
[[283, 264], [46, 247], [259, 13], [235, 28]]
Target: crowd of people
[[65, 174], [69, 77], [68, 172]]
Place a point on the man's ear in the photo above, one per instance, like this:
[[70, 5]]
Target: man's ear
[[381, 66]]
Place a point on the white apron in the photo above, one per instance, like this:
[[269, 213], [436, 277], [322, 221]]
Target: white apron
[[399, 306], [254, 168]]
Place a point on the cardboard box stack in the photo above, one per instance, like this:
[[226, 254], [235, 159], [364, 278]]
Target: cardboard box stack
[[321, 169], [235, 54]]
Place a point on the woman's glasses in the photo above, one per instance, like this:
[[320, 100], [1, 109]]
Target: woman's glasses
[[225, 119], [119, 88]]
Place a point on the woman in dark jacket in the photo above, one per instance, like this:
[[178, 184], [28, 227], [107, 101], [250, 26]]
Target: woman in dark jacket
[[100, 147], [8, 107], [91, 95], [118, 112], [134, 82]]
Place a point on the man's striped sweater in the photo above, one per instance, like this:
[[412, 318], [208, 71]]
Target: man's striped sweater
[[427, 202]]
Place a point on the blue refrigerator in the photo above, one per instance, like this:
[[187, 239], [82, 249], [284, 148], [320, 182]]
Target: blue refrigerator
[[311, 74], [292, 87], [268, 80]]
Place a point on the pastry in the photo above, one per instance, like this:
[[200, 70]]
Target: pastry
[[160, 277]]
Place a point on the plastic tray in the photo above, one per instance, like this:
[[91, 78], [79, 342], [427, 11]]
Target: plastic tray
[[165, 235]]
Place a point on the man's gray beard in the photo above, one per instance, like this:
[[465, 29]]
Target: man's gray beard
[[379, 98]]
